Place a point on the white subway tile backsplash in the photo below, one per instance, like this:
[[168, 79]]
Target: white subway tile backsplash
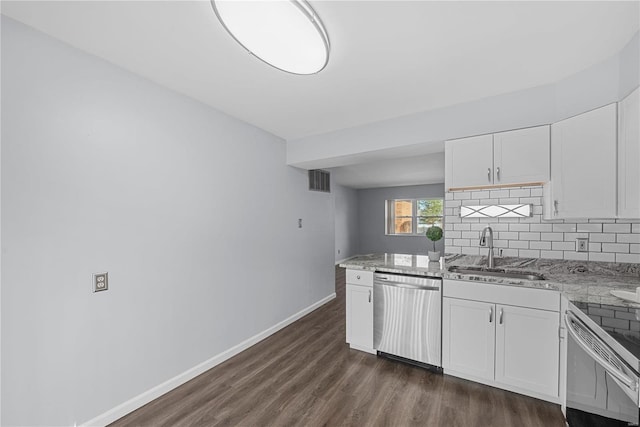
[[518, 244], [529, 236], [454, 234], [480, 194], [541, 227], [518, 227], [470, 251], [605, 257], [628, 238], [628, 258], [520, 193], [540, 245], [563, 246], [501, 243], [508, 235], [528, 253], [510, 252], [568, 237], [461, 195], [497, 194], [552, 254], [609, 240], [564, 228], [602, 237], [552, 237], [615, 247], [461, 242], [532, 200], [462, 226], [578, 256], [589, 228], [617, 228]]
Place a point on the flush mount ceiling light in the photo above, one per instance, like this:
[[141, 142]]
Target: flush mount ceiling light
[[286, 34]]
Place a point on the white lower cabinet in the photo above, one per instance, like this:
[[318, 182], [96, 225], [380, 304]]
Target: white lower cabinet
[[512, 347], [359, 315], [527, 349], [468, 339]]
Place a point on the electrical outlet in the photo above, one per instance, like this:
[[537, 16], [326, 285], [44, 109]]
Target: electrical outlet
[[582, 244], [100, 282]]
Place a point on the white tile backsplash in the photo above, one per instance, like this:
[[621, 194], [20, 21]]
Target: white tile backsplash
[[609, 240]]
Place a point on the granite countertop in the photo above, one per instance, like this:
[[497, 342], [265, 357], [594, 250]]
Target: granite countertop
[[584, 281]]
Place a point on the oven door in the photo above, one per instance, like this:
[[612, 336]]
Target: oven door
[[601, 389]]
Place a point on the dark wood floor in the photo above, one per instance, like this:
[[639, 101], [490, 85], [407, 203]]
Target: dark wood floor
[[306, 375]]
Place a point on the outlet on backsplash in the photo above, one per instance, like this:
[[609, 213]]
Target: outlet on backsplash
[[582, 245]]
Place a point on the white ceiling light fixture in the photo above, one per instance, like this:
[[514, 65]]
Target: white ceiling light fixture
[[286, 34]]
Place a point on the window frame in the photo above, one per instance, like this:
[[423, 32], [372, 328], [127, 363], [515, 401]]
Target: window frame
[[390, 216]]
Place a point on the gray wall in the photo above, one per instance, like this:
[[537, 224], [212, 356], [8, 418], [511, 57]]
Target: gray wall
[[346, 222], [371, 220], [192, 213]]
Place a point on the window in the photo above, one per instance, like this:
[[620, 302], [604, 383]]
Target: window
[[412, 217]]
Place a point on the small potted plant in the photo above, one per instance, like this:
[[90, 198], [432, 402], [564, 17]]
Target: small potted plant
[[434, 233]]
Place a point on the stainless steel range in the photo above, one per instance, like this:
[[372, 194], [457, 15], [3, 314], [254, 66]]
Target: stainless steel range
[[603, 365]]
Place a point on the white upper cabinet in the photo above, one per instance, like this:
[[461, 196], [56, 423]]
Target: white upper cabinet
[[583, 167], [521, 156], [513, 157], [469, 161], [629, 156]]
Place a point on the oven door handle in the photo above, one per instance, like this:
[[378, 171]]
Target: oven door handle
[[611, 369]]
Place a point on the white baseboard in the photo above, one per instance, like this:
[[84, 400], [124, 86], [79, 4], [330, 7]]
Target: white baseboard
[[157, 391]]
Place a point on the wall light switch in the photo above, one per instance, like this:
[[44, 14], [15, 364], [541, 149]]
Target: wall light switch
[[582, 244], [100, 282]]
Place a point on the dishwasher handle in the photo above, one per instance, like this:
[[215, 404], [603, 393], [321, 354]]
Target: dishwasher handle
[[386, 282]]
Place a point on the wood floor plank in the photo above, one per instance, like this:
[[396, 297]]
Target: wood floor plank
[[306, 375]]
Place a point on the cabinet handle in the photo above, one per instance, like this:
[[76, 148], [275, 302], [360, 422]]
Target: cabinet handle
[[555, 207], [498, 173], [501, 316], [490, 314], [489, 174], [358, 277], [369, 295]]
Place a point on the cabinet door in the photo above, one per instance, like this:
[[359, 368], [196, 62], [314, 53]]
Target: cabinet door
[[360, 317], [583, 165], [528, 349], [469, 162], [522, 156], [629, 156], [468, 338]]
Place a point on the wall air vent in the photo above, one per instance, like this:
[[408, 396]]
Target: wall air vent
[[319, 180]]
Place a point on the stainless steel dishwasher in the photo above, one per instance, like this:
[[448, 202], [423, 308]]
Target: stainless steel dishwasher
[[407, 318]]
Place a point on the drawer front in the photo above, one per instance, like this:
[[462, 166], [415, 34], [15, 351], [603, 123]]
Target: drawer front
[[541, 299], [360, 277]]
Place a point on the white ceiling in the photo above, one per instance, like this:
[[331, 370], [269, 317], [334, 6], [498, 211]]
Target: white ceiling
[[388, 58]]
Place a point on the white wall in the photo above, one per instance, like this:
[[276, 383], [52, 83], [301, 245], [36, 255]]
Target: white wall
[[346, 221], [371, 220], [605, 82], [192, 213]]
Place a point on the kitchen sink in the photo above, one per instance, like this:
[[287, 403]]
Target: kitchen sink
[[497, 272]]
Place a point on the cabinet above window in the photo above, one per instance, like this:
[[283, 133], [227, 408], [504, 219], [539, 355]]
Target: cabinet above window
[[517, 157]]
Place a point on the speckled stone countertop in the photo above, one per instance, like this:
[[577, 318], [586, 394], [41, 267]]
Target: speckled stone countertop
[[585, 281]]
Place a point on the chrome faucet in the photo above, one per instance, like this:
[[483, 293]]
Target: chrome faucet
[[483, 242]]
